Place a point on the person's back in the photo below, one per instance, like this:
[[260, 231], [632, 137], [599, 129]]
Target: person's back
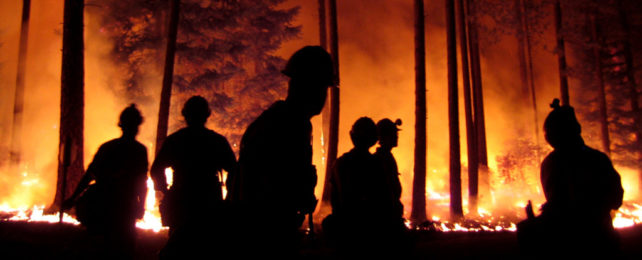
[[355, 193], [581, 188], [276, 159], [196, 156], [112, 204], [193, 206], [276, 179], [120, 169], [387, 132]]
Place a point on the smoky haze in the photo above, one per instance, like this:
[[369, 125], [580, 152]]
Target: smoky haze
[[377, 80]]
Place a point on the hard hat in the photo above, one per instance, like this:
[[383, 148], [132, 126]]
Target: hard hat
[[313, 63]]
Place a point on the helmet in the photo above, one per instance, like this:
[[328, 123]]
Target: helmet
[[386, 126], [196, 110], [130, 117], [562, 120], [364, 132], [313, 63]]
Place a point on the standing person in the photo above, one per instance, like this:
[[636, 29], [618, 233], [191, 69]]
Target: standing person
[[388, 135], [276, 178], [193, 206], [112, 205], [355, 193], [581, 188]]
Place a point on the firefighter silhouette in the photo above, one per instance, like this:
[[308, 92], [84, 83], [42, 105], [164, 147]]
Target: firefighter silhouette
[[581, 188], [388, 135], [112, 204], [193, 207], [276, 178]]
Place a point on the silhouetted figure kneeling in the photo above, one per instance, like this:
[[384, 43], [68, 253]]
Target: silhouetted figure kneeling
[[112, 204], [581, 188], [275, 186], [193, 206]]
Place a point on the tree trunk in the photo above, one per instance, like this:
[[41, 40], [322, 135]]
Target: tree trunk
[[529, 58], [633, 92], [418, 214], [521, 48], [471, 138], [599, 80], [326, 114], [334, 92], [456, 210], [561, 54], [478, 104], [72, 104], [15, 153], [166, 92], [323, 31]]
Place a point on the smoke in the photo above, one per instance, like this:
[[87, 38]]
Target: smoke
[[377, 80]]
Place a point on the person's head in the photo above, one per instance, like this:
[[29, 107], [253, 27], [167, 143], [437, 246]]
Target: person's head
[[388, 132], [363, 133], [561, 127], [311, 72], [196, 111], [129, 120]]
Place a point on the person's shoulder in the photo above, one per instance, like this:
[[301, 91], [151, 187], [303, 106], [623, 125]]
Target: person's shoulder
[[111, 144], [215, 136], [597, 156], [140, 146]]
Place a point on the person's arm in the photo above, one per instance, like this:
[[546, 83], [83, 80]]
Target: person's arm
[[161, 162], [615, 192], [86, 179], [141, 184], [230, 165]]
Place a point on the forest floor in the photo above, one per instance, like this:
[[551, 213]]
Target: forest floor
[[23, 240]]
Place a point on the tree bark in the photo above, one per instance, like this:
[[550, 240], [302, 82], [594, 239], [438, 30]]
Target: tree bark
[[633, 92], [166, 92], [334, 92], [326, 114], [456, 210], [529, 58], [418, 214], [478, 104], [72, 104], [15, 155], [599, 80], [471, 138], [561, 55], [323, 31]]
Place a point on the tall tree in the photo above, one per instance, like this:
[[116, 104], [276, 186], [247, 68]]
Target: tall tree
[[561, 54], [471, 138], [456, 209], [634, 95], [478, 98], [326, 114], [333, 138], [599, 80], [526, 60], [168, 75], [18, 101], [72, 104], [418, 214], [225, 52]]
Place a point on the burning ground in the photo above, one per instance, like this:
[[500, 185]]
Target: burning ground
[[376, 57]]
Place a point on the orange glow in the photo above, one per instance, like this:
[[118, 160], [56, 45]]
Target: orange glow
[[377, 72]]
